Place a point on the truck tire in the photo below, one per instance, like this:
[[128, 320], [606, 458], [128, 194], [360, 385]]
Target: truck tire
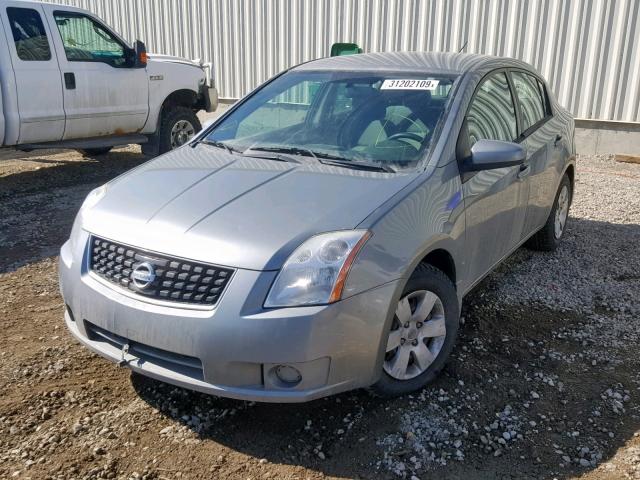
[[416, 351], [94, 152], [177, 127]]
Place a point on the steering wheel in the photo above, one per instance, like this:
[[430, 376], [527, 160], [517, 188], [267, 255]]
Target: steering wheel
[[407, 135]]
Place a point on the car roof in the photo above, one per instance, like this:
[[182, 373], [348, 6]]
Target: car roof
[[435, 63]]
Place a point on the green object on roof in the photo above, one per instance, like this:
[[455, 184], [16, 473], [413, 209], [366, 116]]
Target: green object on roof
[[338, 49]]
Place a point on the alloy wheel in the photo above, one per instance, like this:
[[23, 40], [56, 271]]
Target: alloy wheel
[[562, 212], [181, 133], [417, 335]]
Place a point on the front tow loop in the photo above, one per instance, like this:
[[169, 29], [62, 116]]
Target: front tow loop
[[123, 360]]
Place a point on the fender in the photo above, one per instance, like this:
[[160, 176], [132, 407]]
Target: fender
[[444, 243], [165, 78], [442, 225]]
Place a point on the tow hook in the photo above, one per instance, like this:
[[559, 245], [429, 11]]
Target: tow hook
[[123, 361]]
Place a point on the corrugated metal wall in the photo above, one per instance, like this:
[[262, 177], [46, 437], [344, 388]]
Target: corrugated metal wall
[[589, 50]]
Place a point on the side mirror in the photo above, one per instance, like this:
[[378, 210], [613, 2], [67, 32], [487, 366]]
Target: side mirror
[[490, 154], [141, 54]]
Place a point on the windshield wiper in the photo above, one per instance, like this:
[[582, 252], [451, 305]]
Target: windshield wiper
[[326, 158], [280, 153], [217, 144], [285, 150], [329, 160]]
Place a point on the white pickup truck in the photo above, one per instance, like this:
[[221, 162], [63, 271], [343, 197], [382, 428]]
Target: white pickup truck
[[67, 80]]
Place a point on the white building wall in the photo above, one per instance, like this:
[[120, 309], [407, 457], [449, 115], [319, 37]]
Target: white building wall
[[588, 50]]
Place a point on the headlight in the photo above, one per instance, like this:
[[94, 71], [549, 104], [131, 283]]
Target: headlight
[[315, 272]]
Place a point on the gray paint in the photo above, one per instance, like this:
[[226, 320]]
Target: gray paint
[[208, 208], [490, 154], [214, 207]]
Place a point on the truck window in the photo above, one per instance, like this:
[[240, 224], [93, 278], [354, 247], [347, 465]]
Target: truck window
[[28, 34], [85, 40]]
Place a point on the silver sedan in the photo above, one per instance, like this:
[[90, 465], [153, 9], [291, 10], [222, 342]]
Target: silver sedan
[[321, 235]]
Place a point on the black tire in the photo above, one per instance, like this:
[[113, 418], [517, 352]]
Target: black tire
[[426, 277], [170, 117], [94, 152], [545, 239]]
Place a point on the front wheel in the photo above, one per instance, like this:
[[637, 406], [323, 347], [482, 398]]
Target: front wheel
[[422, 335], [178, 126]]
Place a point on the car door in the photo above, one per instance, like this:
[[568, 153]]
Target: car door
[[538, 137], [103, 93], [495, 200], [36, 72]]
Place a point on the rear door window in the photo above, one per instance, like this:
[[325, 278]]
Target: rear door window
[[530, 99], [29, 35], [492, 114], [545, 98]]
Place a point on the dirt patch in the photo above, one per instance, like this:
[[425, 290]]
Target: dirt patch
[[40, 195], [544, 381]]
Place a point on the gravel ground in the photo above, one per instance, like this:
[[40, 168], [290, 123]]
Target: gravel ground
[[544, 381]]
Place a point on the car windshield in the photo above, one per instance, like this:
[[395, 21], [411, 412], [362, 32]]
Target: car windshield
[[384, 120]]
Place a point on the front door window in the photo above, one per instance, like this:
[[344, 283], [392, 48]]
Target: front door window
[[492, 115], [85, 40]]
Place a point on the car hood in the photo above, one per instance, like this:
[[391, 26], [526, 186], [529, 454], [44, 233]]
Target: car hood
[[157, 57], [208, 205]]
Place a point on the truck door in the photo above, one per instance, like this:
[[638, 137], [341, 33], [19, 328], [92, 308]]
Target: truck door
[[36, 71], [103, 93]]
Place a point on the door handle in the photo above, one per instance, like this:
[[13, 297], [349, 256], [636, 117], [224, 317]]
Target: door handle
[[558, 138], [525, 170], [69, 81]]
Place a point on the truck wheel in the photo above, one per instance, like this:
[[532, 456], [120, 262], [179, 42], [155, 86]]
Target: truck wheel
[[94, 152], [178, 126], [548, 237], [422, 334]]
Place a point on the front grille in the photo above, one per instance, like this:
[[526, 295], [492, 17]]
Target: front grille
[[189, 366], [176, 280]]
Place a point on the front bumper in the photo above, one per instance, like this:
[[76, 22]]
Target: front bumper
[[233, 349], [210, 97]]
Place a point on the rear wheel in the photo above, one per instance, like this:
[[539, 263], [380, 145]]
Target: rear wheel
[[178, 126], [422, 334], [94, 152], [548, 237]]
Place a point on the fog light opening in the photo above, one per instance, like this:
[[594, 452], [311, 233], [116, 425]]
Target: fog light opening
[[288, 375]]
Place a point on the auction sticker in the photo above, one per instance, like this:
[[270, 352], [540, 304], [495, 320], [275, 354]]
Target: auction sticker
[[409, 84]]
